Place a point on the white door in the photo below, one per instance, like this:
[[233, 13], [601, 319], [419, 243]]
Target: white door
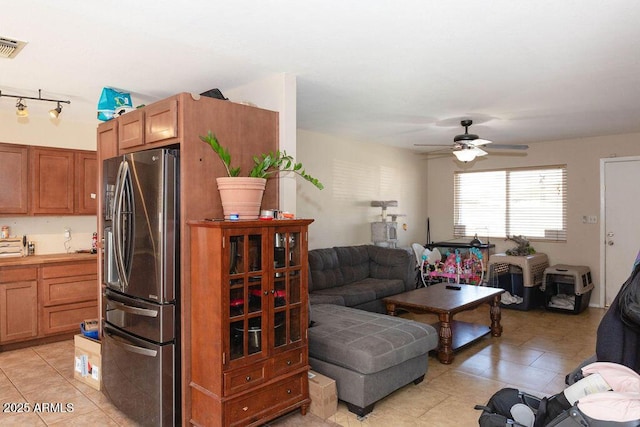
[[620, 189]]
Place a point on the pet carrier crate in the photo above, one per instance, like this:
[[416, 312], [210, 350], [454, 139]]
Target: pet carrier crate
[[567, 288], [521, 276]]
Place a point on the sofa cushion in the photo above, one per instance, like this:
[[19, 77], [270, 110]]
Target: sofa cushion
[[354, 262], [385, 264], [324, 269], [366, 342], [361, 292]]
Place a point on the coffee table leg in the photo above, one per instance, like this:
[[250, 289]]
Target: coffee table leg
[[445, 352], [391, 309], [496, 315]]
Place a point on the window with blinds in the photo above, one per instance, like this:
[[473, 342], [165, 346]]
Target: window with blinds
[[531, 202]]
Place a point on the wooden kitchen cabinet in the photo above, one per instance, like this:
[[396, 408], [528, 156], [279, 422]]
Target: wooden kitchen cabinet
[[51, 180], [249, 317], [63, 182], [14, 179], [107, 140], [154, 123], [68, 295], [18, 304], [86, 183]]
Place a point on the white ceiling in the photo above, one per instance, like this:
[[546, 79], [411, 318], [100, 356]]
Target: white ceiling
[[395, 72]]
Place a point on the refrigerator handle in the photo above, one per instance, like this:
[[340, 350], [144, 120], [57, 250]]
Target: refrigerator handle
[[131, 348], [133, 310], [117, 223]]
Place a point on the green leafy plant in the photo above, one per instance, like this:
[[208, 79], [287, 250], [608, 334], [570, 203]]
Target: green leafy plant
[[265, 165]]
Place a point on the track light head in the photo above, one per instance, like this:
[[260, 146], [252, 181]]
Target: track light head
[[54, 113], [21, 109]]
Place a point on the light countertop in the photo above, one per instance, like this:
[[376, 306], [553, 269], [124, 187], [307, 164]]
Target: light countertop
[[45, 259]]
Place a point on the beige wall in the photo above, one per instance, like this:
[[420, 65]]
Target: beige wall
[[48, 232], [582, 158], [354, 174]]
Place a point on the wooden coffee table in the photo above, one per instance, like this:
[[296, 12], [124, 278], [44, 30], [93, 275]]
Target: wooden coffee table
[[445, 303]]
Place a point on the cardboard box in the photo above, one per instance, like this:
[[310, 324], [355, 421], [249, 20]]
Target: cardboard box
[[87, 361], [323, 394]]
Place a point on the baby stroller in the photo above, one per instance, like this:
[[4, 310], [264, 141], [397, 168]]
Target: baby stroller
[[613, 402]]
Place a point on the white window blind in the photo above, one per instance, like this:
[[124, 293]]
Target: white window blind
[[531, 202]]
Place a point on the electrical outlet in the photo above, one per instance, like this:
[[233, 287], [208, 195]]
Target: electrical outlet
[[67, 233]]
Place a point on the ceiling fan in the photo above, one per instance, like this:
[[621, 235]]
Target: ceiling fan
[[466, 146]]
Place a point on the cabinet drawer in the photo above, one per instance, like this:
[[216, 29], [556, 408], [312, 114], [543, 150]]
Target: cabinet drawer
[[270, 399], [70, 269], [286, 362], [19, 274], [66, 290], [245, 378], [67, 317]]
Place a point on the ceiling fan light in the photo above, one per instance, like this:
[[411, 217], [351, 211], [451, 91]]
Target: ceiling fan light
[[465, 155]]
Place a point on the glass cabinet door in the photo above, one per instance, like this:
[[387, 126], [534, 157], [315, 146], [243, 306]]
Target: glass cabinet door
[[287, 263], [246, 295]]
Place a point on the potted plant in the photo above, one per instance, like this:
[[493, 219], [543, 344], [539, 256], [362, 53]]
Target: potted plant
[[242, 195]]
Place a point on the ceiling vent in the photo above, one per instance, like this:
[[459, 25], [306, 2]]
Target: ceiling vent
[[10, 48]]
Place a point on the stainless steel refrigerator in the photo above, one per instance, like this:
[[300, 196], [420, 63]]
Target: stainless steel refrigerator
[[140, 338]]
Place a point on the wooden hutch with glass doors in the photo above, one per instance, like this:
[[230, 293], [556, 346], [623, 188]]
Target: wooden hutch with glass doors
[[249, 318]]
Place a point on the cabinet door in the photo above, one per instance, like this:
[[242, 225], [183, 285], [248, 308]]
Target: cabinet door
[[52, 176], [108, 139], [14, 179], [131, 129], [288, 295], [246, 308], [161, 121], [86, 189], [18, 304]]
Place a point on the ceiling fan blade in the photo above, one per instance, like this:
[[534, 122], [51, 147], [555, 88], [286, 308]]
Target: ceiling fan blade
[[480, 142], [440, 151], [432, 145], [479, 151], [508, 147]]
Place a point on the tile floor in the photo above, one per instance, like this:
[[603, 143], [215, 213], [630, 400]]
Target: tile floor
[[535, 352]]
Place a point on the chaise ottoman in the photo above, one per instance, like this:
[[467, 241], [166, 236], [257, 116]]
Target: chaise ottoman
[[369, 355]]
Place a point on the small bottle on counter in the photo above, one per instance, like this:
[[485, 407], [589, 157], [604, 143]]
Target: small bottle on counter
[[94, 243], [31, 248], [4, 233]]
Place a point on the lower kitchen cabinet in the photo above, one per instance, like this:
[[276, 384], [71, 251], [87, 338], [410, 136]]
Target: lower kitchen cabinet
[[18, 304], [41, 299], [69, 295]]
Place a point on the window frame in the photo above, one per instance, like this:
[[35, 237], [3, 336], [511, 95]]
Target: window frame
[[509, 216]]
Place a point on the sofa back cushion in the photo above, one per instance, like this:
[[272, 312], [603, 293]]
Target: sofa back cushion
[[324, 269], [390, 263], [354, 262]]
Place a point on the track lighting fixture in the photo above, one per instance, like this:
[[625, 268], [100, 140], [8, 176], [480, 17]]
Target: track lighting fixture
[[21, 106], [54, 113], [21, 109]]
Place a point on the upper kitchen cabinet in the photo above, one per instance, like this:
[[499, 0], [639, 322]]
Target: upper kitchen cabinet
[[154, 123], [14, 179], [86, 183], [63, 182], [52, 181]]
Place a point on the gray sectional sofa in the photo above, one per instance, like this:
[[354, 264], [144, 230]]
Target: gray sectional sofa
[[367, 353], [359, 276]]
